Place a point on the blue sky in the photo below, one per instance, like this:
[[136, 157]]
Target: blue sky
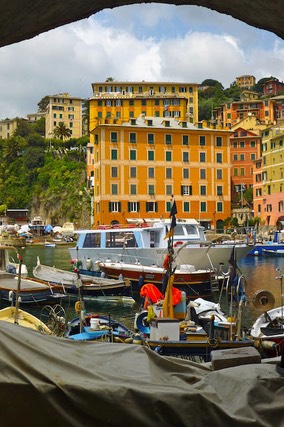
[[140, 42]]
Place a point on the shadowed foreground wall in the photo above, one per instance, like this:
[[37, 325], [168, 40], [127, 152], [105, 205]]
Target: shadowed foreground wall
[[21, 20]]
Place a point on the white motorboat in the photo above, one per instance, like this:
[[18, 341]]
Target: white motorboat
[[147, 244]]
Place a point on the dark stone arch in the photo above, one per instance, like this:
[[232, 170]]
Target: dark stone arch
[[21, 20]]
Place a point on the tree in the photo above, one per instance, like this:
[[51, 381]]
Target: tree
[[62, 131], [42, 104], [212, 82]]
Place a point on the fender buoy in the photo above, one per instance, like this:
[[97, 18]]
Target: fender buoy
[[89, 264], [140, 323], [177, 244], [77, 307]]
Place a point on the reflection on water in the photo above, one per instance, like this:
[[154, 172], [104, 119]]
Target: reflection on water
[[259, 272]]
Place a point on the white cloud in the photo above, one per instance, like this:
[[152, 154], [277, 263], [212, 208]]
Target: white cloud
[[139, 42]]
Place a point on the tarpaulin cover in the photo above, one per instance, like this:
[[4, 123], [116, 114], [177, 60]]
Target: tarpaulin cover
[[50, 381]]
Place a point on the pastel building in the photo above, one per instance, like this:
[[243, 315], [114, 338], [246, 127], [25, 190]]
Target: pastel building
[[246, 81], [8, 127], [116, 102], [67, 109], [269, 205], [135, 167]]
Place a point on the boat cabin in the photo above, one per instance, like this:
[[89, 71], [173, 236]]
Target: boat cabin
[[140, 237]]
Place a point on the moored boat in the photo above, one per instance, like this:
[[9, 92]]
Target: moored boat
[[273, 252], [147, 244], [23, 318], [193, 282], [69, 281], [268, 328], [97, 327]]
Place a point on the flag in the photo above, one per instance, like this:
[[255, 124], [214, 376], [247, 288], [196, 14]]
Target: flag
[[173, 222], [173, 209]]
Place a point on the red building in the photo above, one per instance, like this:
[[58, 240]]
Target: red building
[[273, 87], [245, 149]]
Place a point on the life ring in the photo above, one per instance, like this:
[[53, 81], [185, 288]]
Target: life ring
[[178, 244], [78, 307]]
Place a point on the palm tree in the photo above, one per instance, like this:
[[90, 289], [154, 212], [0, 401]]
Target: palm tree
[[61, 131]]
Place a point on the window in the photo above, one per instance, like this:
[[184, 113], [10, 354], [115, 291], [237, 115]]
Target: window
[[202, 140], [132, 155], [235, 172], [150, 138], [235, 157], [114, 172], [133, 172], [242, 157], [114, 189], [202, 173], [219, 158], [132, 137], [186, 206], [235, 144], [168, 139], [114, 206], [168, 156], [169, 190], [133, 206], [151, 190], [203, 190], [242, 144], [252, 156], [113, 136], [133, 189], [219, 206], [219, 141], [151, 173], [151, 206], [242, 170], [219, 190], [202, 157], [168, 173], [113, 154], [252, 144], [219, 174], [185, 156], [186, 190], [151, 155], [203, 207], [185, 173], [143, 102], [185, 140], [168, 206]]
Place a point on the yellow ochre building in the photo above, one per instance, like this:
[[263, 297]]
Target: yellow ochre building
[[136, 166]]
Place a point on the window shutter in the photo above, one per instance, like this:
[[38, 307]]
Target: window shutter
[[109, 206], [138, 206], [119, 206], [147, 206]]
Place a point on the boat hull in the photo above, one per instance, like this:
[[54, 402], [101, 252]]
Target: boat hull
[[195, 349], [201, 257], [31, 292], [193, 283], [70, 282]]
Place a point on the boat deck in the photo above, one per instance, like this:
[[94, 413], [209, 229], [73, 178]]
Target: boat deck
[[11, 284]]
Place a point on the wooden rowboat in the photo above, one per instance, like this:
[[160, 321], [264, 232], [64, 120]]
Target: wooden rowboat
[[23, 318]]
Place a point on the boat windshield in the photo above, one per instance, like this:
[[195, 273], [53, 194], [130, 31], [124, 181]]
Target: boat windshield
[[92, 240], [120, 239]]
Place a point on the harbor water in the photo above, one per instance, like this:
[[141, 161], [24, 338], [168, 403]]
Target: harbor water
[[260, 273]]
